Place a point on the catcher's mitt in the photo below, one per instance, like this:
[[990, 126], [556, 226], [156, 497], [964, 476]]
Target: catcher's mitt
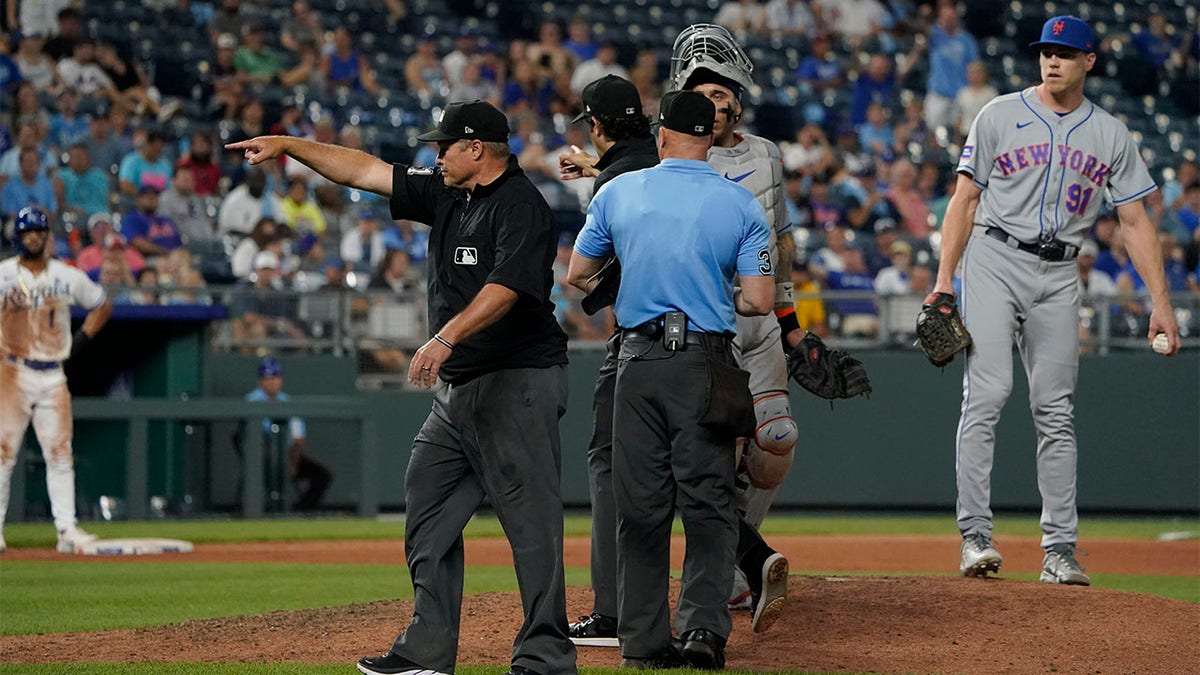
[[940, 330], [828, 373]]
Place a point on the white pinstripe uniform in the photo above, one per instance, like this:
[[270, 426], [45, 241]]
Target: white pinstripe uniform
[[35, 338]]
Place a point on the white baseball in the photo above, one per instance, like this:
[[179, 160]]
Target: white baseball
[[1160, 344]]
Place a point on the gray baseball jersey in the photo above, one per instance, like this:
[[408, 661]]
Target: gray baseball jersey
[[1045, 174]]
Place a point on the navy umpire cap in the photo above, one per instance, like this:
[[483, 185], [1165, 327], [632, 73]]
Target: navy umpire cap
[[269, 367], [1067, 31], [30, 219], [610, 96], [687, 112], [476, 120]]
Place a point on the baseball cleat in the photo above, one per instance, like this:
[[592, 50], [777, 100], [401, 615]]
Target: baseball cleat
[[391, 664], [978, 556], [68, 540], [769, 602], [1060, 567], [596, 630]]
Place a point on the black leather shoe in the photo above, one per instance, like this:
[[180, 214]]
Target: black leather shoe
[[704, 649], [391, 664], [667, 659], [521, 670], [596, 630]]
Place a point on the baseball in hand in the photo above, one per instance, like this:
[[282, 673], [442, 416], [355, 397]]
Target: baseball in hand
[[1160, 344]]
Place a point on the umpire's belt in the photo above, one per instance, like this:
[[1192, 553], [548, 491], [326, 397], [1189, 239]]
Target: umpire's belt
[[1054, 250], [653, 330], [33, 365]]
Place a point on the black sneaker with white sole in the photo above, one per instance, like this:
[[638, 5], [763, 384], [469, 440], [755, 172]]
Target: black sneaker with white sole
[[392, 664], [595, 630]]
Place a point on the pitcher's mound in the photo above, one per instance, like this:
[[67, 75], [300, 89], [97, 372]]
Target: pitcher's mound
[[881, 624]]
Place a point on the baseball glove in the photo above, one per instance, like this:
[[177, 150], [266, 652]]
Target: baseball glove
[[940, 330], [828, 373]]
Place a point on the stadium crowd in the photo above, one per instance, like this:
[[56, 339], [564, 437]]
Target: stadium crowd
[[115, 115]]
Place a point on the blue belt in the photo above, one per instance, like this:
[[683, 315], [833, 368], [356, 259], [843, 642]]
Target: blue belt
[[1054, 250], [34, 365]]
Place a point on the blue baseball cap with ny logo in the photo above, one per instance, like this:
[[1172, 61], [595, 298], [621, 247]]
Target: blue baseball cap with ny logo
[[1067, 31]]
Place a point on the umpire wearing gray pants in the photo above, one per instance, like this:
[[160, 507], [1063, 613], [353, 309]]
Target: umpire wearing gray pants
[[497, 361], [676, 305]]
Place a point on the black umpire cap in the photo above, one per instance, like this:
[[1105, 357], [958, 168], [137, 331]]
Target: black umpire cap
[[476, 120], [610, 96], [687, 112]]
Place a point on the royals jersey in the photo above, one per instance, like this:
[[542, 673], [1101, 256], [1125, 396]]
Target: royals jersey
[[1046, 174], [35, 310], [757, 165]]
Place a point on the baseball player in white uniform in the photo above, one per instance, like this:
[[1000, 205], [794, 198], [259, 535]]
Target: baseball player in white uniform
[[36, 294], [1033, 174], [706, 58]]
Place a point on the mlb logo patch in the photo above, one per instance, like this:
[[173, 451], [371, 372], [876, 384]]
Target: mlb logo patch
[[968, 150], [465, 255]]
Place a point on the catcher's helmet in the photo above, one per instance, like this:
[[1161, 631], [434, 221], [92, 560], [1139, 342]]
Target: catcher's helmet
[[269, 367], [705, 50], [30, 219]]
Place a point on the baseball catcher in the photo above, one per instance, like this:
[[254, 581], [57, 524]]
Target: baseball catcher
[[940, 330], [828, 373]]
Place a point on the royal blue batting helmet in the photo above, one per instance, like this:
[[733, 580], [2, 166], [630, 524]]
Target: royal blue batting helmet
[[30, 219], [269, 367]]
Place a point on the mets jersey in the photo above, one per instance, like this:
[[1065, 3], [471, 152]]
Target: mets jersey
[[35, 311], [1046, 174]]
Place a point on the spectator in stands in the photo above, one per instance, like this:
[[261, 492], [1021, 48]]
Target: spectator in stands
[[1114, 258], [1154, 43], [264, 234], [187, 288], [346, 67], [790, 17], [937, 207], [149, 232], [1189, 212], [824, 209], [34, 17], [27, 109], [395, 273], [742, 16], [228, 19], [423, 71], [36, 67], [397, 11], [856, 21], [27, 139], [548, 54], [117, 279], [255, 61], [830, 256], [189, 210], [62, 42], [81, 72], [1093, 282], [198, 161], [246, 204], [810, 154], [866, 203], [29, 187], [876, 85], [10, 75], [133, 86], [105, 149], [793, 197], [810, 311], [147, 166], [466, 50], [66, 126], [85, 187], [914, 210], [222, 82], [821, 70], [471, 86], [879, 256], [250, 120], [107, 243], [1186, 173], [579, 39], [292, 120], [146, 292], [362, 246], [913, 136], [971, 98], [893, 280], [859, 317], [951, 50], [877, 136], [604, 64], [525, 91], [264, 312], [299, 211], [301, 28], [415, 241]]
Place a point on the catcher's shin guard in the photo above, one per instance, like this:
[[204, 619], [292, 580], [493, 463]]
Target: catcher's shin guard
[[768, 456]]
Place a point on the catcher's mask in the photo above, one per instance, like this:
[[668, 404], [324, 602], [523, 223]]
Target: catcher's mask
[[705, 53]]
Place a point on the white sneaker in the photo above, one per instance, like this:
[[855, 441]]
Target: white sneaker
[[68, 540], [978, 556], [771, 596]]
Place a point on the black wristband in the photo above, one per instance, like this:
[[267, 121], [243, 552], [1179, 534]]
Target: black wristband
[[78, 341], [788, 323]]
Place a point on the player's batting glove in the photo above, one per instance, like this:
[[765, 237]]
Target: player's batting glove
[[78, 341], [828, 373], [940, 330]]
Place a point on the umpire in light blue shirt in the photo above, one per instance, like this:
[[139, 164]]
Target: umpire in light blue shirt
[[682, 233]]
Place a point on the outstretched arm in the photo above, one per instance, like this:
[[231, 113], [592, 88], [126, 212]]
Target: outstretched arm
[[348, 167]]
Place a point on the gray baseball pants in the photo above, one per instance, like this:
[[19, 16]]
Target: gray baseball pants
[[496, 437], [1010, 294]]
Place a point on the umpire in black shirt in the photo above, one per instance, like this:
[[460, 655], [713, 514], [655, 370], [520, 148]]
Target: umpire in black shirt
[[498, 360]]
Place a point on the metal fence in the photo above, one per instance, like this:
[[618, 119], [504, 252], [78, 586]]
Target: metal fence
[[382, 329]]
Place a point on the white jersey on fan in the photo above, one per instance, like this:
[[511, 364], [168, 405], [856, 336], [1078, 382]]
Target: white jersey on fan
[[35, 310]]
